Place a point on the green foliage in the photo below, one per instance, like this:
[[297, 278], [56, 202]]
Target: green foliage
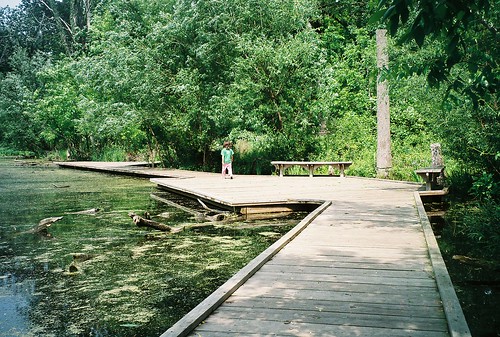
[[479, 223], [481, 219], [171, 80], [7, 152], [252, 151], [476, 135], [274, 92], [353, 138], [467, 28], [485, 188], [110, 154], [474, 213], [458, 49], [20, 131], [57, 110]]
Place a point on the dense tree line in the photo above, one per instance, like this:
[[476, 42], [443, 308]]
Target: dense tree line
[[171, 80]]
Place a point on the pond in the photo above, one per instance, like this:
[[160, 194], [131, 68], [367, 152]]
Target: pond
[[96, 273]]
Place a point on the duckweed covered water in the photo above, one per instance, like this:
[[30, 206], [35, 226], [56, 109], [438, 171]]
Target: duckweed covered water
[[99, 274]]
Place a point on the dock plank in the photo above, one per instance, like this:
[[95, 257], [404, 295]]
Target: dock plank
[[233, 327], [384, 309], [351, 263]]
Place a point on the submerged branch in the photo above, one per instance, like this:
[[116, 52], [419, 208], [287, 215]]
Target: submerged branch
[[43, 225], [141, 222], [211, 214]]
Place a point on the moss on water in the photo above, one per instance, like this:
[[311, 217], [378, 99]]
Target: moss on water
[[131, 286]]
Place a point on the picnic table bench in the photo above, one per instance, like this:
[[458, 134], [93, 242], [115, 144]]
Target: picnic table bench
[[311, 165], [430, 175]]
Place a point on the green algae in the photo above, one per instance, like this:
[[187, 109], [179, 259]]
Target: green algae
[[135, 283]]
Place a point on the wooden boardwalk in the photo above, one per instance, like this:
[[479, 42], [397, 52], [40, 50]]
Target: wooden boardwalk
[[360, 266], [137, 169], [365, 263]]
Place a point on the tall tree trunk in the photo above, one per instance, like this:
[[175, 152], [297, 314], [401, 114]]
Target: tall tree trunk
[[88, 13], [384, 157], [62, 26], [73, 15]]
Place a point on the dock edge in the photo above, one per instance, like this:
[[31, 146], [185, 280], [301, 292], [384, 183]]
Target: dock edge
[[193, 318], [457, 325]]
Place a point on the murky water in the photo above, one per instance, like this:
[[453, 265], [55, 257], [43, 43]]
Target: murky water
[[99, 274], [477, 285], [476, 281]]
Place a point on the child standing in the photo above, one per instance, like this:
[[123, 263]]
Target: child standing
[[227, 155]]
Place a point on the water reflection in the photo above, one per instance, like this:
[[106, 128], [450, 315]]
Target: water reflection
[[137, 282], [14, 298]]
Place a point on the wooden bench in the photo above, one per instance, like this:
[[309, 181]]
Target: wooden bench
[[311, 165], [430, 175]]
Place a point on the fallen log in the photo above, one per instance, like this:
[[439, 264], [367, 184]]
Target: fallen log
[[473, 261], [82, 257], [43, 225], [79, 259], [60, 186], [217, 215], [73, 268], [210, 215], [211, 209], [141, 222]]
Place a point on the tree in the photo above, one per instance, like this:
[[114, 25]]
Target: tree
[[469, 33], [20, 128], [467, 63], [208, 53]]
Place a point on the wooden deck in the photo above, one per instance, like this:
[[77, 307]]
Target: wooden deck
[[364, 263], [360, 266], [137, 169]]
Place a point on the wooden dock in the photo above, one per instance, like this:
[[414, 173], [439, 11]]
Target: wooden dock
[[364, 263]]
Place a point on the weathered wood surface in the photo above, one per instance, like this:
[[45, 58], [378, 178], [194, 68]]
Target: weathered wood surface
[[367, 265], [139, 169], [430, 176], [342, 276], [360, 268], [269, 190]]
